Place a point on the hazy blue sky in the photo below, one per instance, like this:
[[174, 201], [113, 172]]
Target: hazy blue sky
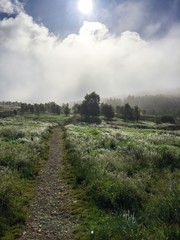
[[62, 16], [51, 51]]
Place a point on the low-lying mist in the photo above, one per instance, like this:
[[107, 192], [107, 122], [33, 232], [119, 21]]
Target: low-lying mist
[[37, 66]]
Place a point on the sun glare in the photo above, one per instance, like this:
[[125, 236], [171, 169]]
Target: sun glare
[[85, 6]]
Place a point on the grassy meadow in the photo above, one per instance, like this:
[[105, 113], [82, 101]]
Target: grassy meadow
[[126, 175], [130, 174], [23, 151]]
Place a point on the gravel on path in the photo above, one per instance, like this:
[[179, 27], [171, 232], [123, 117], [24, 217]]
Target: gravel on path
[[50, 216]]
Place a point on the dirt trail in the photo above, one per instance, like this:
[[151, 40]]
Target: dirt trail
[[51, 215]]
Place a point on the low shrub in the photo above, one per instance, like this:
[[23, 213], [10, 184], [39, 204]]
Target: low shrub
[[118, 226], [115, 193], [168, 157], [10, 210], [20, 158], [164, 208], [165, 119], [11, 133]]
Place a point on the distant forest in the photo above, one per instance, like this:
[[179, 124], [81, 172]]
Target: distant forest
[[150, 105]]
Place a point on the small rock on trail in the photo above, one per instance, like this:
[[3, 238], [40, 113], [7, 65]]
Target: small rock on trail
[[50, 216]]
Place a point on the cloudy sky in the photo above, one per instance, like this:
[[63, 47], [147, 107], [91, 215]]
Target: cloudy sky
[[59, 50]]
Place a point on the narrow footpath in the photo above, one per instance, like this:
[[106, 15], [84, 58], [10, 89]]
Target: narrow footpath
[[51, 216]]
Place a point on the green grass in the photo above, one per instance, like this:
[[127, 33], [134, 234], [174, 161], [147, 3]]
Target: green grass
[[127, 172], [125, 175], [23, 152]]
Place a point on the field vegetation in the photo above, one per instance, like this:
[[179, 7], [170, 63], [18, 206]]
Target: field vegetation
[[23, 151], [130, 176], [124, 169]]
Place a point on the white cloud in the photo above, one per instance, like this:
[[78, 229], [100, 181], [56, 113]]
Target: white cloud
[[94, 30], [10, 6], [144, 16], [37, 66], [127, 15]]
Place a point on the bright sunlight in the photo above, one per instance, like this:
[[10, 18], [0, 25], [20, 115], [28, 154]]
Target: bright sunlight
[[85, 6]]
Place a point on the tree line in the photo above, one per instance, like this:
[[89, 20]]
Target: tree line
[[150, 104], [92, 107], [50, 107], [89, 109]]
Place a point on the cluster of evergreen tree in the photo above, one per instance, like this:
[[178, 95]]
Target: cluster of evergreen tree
[[89, 109], [107, 111], [50, 107], [92, 109], [128, 113]]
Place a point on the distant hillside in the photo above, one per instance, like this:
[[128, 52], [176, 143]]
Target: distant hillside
[[165, 92], [151, 104]]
